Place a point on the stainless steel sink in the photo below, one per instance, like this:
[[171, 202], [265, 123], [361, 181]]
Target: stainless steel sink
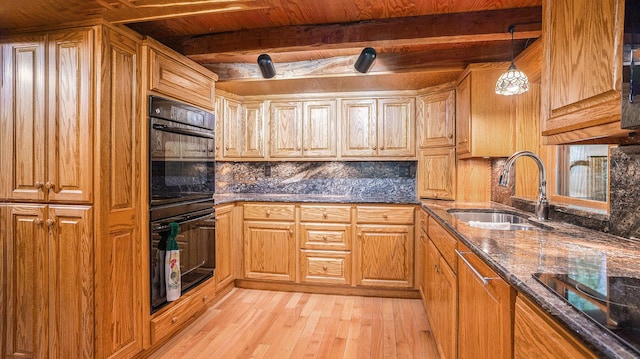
[[491, 219]]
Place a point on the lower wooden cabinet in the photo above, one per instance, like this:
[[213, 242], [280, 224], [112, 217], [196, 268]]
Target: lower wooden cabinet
[[384, 250], [329, 267], [536, 335], [224, 235], [48, 303], [485, 306], [170, 320]]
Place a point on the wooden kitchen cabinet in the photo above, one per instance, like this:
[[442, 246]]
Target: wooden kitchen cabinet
[[378, 127], [224, 236], [536, 335], [484, 124], [48, 304], [581, 70], [240, 129], [437, 173], [485, 307], [47, 149], [178, 77], [384, 247], [286, 129], [87, 110], [441, 287], [269, 242], [231, 129], [253, 129], [325, 244], [436, 119]]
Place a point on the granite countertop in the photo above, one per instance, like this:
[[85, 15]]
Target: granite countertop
[[394, 198], [555, 248]]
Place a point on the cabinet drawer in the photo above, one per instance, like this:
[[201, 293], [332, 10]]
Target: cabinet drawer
[[326, 236], [325, 213], [424, 221], [381, 215], [279, 212], [325, 267], [444, 241], [189, 306]]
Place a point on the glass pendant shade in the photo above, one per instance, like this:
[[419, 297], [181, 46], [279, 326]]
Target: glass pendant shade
[[512, 82]]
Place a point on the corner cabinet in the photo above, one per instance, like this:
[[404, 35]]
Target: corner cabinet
[[384, 247], [581, 70], [378, 128], [484, 124]]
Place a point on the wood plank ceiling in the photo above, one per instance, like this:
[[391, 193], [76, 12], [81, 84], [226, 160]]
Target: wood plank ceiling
[[313, 43]]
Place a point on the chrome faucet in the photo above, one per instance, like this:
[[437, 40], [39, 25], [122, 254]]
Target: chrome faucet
[[542, 207]]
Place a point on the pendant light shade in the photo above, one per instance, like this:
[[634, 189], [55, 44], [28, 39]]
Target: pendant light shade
[[365, 60], [513, 81], [266, 66]]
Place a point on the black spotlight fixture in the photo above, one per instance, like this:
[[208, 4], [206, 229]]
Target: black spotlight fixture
[[266, 66], [365, 60]]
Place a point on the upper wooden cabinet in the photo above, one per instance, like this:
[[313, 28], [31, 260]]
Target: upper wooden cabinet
[[47, 126], [436, 119], [581, 69], [485, 126], [303, 129], [437, 173], [242, 128], [378, 128], [176, 76], [253, 130]]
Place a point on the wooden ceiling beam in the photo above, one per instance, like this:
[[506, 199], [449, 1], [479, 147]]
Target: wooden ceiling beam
[[405, 31]]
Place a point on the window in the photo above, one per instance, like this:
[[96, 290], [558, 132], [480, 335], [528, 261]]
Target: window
[[582, 176]]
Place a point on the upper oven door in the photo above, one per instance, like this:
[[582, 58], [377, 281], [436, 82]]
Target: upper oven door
[[182, 164]]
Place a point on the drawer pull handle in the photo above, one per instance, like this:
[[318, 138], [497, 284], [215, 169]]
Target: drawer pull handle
[[485, 280], [324, 268], [324, 237], [325, 215]]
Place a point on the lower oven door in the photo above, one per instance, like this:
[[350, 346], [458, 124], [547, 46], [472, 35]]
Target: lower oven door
[[196, 242]]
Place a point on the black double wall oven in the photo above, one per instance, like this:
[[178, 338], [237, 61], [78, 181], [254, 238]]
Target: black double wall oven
[[181, 188]]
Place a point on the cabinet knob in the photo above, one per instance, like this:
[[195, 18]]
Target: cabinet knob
[[385, 216], [359, 234], [325, 215], [464, 141], [324, 268], [324, 237], [50, 222], [291, 231], [39, 185], [382, 147], [174, 319], [375, 147], [48, 185], [227, 148], [204, 298], [37, 221], [450, 136], [268, 213]]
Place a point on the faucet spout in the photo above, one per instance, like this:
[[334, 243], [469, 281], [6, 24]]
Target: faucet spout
[[542, 206]]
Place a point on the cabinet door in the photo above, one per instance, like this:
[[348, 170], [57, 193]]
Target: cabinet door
[[71, 306], [447, 299], [485, 333], [269, 250], [536, 335], [26, 324], [581, 69], [436, 120], [232, 129], [286, 129], [396, 127], [437, 173], [70, 129], [253, 130], [384, 255], [224, 265], [463, 116], [23, 119], [359, 128], [319, 129]]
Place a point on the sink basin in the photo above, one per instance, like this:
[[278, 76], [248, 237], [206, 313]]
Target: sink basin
[[491, 219]]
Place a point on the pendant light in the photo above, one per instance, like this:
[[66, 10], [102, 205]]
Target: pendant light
[[513, 81]]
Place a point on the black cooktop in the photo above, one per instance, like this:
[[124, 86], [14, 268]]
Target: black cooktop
[[611, 302]]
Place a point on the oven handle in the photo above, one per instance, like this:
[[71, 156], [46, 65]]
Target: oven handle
[[182, 131], [188, 220]]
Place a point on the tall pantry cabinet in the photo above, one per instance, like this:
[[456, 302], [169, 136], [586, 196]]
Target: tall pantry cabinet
[[70, 159]]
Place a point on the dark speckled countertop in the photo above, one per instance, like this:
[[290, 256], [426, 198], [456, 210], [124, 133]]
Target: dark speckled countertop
[[556, 248]]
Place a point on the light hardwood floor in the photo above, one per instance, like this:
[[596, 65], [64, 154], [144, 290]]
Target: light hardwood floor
[[266, 324]]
